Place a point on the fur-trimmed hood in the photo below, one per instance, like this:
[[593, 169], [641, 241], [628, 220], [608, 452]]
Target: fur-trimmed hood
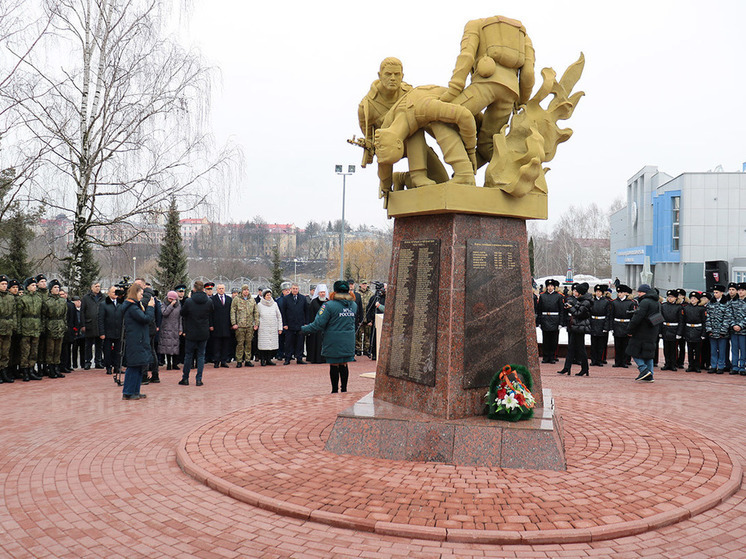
[[342, 296]]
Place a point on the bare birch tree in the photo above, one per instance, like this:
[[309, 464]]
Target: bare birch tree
[[119, 110]]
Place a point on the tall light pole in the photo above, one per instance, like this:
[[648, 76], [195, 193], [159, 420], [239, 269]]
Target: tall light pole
[[339, 171], [134, 267], [295, 261]]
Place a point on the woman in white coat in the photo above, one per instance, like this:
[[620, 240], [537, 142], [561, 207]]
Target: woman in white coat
[[270, 328]]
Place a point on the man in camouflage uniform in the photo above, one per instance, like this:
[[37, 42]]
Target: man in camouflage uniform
[[41, 358], [364, 332], [7, 326], [244, 320], [54, 313], [15, 341], [29, 322]]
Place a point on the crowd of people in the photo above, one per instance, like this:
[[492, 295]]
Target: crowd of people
[[707, 330], [130, 329]]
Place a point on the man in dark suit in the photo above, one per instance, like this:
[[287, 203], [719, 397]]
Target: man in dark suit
[[222, 329], [293, 311]]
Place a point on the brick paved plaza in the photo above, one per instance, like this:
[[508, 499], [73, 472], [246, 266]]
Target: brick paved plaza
[[653, 471]]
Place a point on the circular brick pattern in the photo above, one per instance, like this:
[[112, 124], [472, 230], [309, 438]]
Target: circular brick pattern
[[626, 474]]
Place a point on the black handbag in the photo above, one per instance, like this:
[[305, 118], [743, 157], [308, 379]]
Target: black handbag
[[655, 319]]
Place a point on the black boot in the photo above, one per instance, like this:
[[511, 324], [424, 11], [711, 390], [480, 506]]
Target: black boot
[[334, 377], [6, 376], [26, 375], [32, 375], [145, 378], [55, 369], [344, 374]]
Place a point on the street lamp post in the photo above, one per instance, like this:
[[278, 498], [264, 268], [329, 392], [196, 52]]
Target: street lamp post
[[339, 171], [295, 261], [134, 267]]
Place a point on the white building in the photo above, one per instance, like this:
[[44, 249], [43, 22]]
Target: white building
[[692, 227]]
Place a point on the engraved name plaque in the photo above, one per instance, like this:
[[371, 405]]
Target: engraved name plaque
[[494, 330], [414, 332]]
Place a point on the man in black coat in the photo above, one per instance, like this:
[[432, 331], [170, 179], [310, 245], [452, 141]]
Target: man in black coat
[[294, 308], [360, 314], [643, 343], [89, 316], [196, 313], [110, 329], [220, 336], [549, 310]]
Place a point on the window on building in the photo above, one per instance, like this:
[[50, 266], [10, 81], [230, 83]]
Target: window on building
[[676, 212], [739, 275]]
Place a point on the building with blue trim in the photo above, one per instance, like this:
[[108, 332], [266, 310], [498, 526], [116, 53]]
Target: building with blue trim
[[692, 228]]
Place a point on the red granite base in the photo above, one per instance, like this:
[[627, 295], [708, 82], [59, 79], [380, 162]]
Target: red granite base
[[471, 334], [377, 429]]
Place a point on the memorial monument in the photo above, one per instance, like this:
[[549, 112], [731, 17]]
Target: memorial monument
[[459, 303]]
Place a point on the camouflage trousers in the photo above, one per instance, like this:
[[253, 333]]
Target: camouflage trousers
[[54, 350], [362, 339], [243, 344], [4, 351], [29, 351]]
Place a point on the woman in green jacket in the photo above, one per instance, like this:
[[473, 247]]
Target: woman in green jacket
[[336, 318]]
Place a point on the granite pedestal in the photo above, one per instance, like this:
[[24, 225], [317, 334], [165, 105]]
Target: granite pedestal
[[459, 307]]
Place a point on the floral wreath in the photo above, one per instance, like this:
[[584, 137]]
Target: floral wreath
[[509, 397]]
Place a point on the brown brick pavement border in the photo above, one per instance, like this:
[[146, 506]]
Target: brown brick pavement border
[[272, 457]]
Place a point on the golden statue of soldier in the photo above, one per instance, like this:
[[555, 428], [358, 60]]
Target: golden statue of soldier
[[491, 119]]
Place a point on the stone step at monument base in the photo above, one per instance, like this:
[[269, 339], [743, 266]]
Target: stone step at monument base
[[378, 429]]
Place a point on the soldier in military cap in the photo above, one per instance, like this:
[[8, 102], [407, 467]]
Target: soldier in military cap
[[41, 358], [15, 340], [366, 328], [716, 326], [682, 301], [693, 320], [549, 312], [622, 308], [54, 314], [671, 329], [29, 321], [737, 324], [601, 321], [7, 326]]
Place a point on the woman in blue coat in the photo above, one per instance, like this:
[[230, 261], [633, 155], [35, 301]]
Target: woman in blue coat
[[336, 318], [137, 340]]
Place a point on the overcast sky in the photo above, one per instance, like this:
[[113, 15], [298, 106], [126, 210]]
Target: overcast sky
[[664, 84]]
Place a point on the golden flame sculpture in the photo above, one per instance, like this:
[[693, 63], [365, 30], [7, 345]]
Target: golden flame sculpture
[[532, 136]]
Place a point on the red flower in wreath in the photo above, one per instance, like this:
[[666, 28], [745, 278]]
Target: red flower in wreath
[[501, 394]]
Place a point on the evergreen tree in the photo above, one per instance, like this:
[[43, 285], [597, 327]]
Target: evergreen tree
[[276, 272], [80, 274], [172, 259], [531, 255], [348, 270], [17, 231]]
